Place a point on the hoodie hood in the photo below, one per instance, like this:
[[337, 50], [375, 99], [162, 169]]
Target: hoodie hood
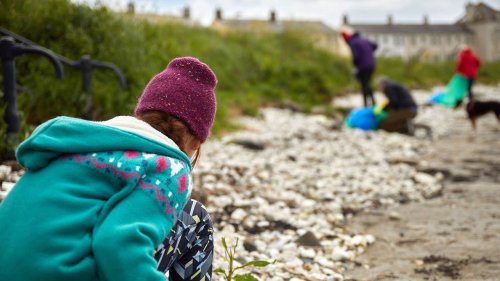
[[67, 135], [354, 35], [466, 52]]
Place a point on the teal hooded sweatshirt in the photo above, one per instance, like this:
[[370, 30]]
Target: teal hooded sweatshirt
[[97, 200]]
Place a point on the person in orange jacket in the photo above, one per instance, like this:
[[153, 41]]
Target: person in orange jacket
[[468, 65]]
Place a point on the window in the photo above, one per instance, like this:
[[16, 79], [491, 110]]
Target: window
[[399, 40]]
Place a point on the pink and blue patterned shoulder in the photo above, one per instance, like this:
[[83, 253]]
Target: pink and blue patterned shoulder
[[166, 179]]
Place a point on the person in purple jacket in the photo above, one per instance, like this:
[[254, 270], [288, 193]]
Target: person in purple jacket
[[364, 61]]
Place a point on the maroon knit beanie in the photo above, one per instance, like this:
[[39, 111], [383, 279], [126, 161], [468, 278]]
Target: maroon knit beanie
[[185, 89]]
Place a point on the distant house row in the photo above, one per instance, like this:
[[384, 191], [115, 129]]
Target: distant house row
[[478, 28], [416, 41]]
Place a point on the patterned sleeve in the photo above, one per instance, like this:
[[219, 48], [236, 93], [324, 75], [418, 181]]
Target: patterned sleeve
[[168, 181], [124, 242]]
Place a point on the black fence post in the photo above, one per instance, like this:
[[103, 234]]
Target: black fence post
[[10, 115], [86, 65], [9, 50]]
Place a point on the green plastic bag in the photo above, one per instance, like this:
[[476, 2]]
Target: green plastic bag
[[455, 91]]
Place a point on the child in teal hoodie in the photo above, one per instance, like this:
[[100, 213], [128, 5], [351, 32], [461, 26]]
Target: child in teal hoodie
[[98, 198]]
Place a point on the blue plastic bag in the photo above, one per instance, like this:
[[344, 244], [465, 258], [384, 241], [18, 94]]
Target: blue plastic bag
[[364, 118]]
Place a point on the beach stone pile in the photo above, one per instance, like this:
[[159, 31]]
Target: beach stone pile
[[10, 173], [287, 183]]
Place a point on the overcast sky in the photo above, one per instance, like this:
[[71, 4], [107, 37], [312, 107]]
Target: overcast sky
[[328, 11]]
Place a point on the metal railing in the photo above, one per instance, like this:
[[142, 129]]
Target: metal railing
[[13, 45], [9, 50]]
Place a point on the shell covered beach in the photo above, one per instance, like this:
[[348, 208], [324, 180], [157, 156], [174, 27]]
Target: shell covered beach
[[331, 203]]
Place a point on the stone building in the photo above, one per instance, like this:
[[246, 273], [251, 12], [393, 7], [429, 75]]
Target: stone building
[[321, 34], [484, 22], [478, 28], [157, 18]]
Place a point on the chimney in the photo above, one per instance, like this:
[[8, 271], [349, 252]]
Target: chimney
[[345, 20], [218, 14], [130, 8], [389, 19], [426, 19], [186, 13], [272, 17], [469, 8]]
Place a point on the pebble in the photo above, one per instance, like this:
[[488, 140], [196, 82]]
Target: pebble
[[340, 254], [394, 216], [335, 277], [7, 186], [238, 214], [308, 239], [307, 253]]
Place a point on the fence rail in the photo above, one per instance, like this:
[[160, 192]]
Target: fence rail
[[13, 45]]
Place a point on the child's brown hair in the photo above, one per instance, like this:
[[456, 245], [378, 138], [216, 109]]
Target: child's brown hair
[[171, 127]]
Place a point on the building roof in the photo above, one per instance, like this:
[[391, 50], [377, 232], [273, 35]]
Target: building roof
[[410, 28], [278, 26], [479, 13]]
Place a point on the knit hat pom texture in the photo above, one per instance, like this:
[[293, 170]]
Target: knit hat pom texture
[[186, 90]]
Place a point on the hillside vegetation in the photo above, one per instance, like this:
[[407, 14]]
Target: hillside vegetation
[[253, 69]]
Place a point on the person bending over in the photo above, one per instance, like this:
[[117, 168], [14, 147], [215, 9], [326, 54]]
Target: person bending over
[[401, 107]]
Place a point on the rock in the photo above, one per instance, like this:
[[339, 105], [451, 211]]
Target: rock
[[401, 160], [434, 170], [370, 239], [433, 193], [249, 144], [294, 263], [307, 253], [319, 109], [462, 176], [335, 277], [394, 216], [249, 245], [362, 240], [340, 254], [7, 186], [5, 171], [238, 214], [324, 262], [425, 179], [3, 194], [15, 166], [309, 239], [290, 105]]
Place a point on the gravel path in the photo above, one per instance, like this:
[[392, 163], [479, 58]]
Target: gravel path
[[452, 237]]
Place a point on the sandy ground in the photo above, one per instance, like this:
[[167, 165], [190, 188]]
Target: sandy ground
[[452, 237]]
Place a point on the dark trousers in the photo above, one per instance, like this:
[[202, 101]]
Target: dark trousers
[[187, 252], [365, 77], [469, 88], [397, 120]]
